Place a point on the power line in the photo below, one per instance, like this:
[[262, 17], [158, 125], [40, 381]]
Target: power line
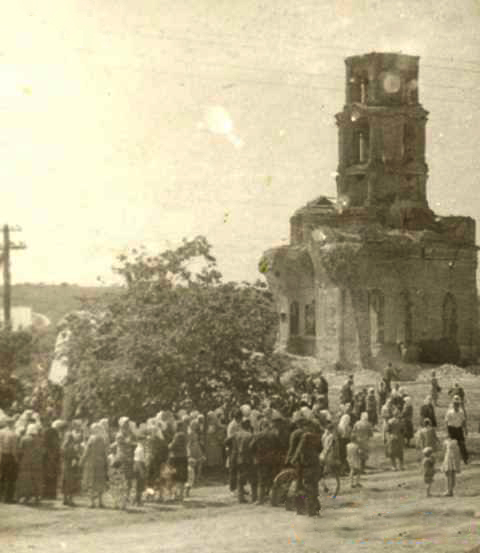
[[298, 40], [161, 35], [243, 80]]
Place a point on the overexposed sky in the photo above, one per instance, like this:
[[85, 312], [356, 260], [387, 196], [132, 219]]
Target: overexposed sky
[[128, 122]]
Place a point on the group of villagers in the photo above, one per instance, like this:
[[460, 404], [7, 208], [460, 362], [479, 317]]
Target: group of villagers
[[164, 457]]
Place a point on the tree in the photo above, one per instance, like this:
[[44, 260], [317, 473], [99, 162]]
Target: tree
[[15, 352], [176, 336]]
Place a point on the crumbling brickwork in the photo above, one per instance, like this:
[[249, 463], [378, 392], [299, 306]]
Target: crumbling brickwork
[[378, 272]]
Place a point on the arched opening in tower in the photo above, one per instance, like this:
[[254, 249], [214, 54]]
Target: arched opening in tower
[[301, 296], [449, 317], [294, 318], [404, 326], [376, 309]]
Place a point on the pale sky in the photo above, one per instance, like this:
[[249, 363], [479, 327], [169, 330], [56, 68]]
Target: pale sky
[[129, 122]]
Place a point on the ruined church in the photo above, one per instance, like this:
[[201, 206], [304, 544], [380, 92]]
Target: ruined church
[[377, 274]]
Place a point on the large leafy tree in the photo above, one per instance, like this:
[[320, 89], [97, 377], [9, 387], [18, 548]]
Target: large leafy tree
[[177, 335]]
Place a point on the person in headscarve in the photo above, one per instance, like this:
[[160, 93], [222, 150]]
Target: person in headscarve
[[372, 407], [126, 443], [363, 432], [195, 455], [77, 433], [178, 458], [233, 427], [385, 415], [343, 431], [94, 464], [407, 419], [354, 458], [427, 437], [395, 431], [105, 430], [30, 474], [70, 460], [427, 411]]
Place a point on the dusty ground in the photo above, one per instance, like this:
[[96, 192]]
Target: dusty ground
[[390, 513]]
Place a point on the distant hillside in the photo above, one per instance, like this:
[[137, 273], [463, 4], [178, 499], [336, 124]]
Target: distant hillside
[[55, 300]]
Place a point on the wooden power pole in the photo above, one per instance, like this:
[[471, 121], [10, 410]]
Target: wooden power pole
[[7, 282]]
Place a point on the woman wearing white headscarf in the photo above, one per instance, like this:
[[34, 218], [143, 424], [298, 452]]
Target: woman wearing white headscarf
[[344, 430], [407, 419], [30, 474], [94, 463], [363, 431]]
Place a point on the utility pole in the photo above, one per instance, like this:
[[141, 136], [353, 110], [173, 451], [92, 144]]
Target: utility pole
[[7, 283]]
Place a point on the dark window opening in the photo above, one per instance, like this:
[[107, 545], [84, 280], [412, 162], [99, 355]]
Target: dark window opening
[[376, 301], [409, 141], [361, 146], [406, 324], [363, 91], [294, 318], [355, 89], [310, 319], [449, 318]]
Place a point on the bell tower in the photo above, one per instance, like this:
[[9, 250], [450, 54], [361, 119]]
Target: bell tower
[[381, 130]]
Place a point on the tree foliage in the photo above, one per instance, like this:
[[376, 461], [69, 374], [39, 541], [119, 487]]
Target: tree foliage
[[15, 351], [176, 336]]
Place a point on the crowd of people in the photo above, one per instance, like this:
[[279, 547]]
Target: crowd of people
[[163, 458]]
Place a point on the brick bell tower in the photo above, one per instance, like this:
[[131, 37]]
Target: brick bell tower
[[377, 275], [382, 167]]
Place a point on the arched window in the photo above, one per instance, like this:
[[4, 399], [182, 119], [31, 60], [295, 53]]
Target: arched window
[[294, 318], [405, 320], [376, 304], [310, 319], [449, 317]]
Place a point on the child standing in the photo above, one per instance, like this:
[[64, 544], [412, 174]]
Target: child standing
[[354, 459], [428, 465], [451, 464]]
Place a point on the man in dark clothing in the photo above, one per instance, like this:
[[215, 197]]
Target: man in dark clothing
[[307, 457], [295, 438], [281, 428], [232, 429], [389, 374], [242, 457], [427, 411], [8, 461], [264, 444], [321, 388], [51, 462], [346, 393]]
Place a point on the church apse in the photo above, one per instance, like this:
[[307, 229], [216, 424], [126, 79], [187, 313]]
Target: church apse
[[377, 273]]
